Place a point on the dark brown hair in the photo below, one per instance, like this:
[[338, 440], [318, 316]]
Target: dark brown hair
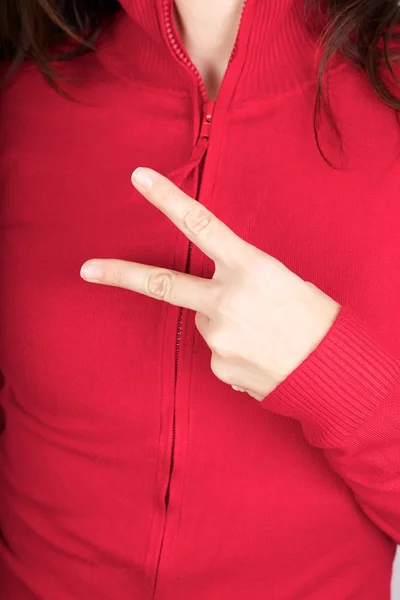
[[364, 31], [39, 31]]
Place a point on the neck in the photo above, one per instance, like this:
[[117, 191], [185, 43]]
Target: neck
[[208, 30]]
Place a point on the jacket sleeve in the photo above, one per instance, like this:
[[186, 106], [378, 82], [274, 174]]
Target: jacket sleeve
[[346, 395]]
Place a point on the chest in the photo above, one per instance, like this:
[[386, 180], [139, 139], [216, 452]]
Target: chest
[[66, 197]]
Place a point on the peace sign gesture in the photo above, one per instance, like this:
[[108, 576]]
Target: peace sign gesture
[[259, 319]]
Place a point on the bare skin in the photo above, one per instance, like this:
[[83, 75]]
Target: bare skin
[[208, 30], [259, 319]]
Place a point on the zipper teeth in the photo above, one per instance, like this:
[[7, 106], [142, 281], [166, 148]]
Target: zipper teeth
[[182, 56], [172, 458], [235, 46], [178, 341], [176, 47]]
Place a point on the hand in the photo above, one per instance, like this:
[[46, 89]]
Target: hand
[[259, 319]]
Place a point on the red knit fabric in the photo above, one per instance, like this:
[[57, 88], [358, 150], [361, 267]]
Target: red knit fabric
[[127, 470]]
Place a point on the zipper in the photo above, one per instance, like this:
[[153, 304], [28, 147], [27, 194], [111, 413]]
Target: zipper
[[234, 49], [207, 120], [203, 143], [182, 55], [178, 50], [202, 146], [177, 349]]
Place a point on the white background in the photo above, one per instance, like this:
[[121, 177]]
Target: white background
[[396, 580]]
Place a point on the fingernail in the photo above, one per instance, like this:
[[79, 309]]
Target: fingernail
[[142, 178], [92, 271]]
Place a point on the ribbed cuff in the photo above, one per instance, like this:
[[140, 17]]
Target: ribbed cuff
[[342, 383]]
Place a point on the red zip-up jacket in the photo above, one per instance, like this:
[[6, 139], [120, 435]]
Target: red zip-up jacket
[[127, 470]]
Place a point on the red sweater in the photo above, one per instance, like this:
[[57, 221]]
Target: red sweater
[[127, 470]]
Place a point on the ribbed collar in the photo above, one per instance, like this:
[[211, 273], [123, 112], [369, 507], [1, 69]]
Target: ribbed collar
[[275, 52]]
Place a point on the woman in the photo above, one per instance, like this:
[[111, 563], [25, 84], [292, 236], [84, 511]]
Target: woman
[[129, 468]]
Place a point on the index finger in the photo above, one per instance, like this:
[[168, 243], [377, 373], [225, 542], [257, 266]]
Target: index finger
[[199, 225]]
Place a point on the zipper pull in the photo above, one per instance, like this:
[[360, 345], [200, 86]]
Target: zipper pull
[[207, 119]]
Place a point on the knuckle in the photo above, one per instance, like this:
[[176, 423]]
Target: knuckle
[[198, 320], [214, 340], [166, 194], [159, 284], [225, 306], [202, 323], [219, 369], [198, 220], [238, 389], [115, 277], [218, 343]]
